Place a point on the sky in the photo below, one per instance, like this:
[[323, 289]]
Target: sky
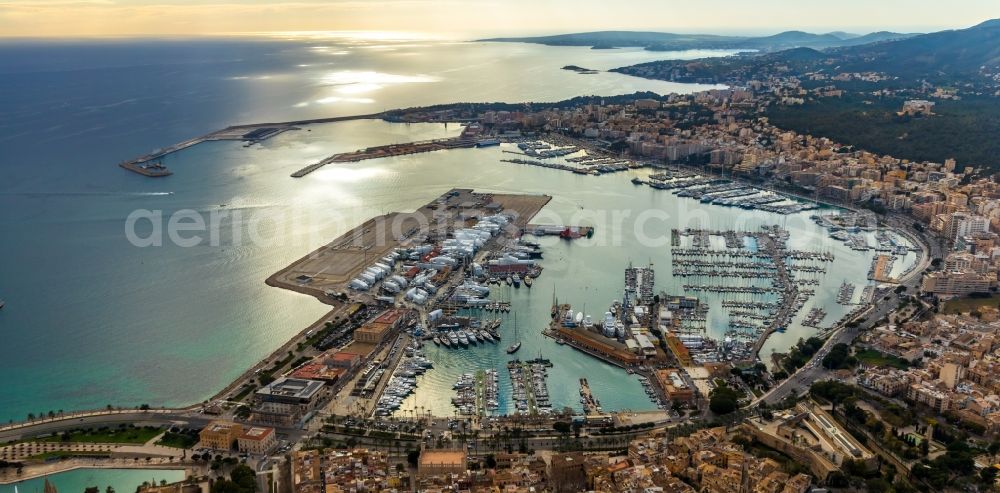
[[462, 19]]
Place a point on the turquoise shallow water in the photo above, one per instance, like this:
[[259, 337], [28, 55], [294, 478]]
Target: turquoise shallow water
[[77, 480]]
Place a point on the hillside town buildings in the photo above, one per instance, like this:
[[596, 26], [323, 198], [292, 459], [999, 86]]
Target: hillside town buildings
[[709, 460], [954, 362]]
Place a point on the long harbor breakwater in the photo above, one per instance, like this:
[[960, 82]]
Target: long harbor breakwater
[[151, 165]]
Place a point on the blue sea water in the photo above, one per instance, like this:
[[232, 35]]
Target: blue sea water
[[92, 320]]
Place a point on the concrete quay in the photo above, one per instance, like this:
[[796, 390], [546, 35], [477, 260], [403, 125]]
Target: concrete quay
[[389, 150]]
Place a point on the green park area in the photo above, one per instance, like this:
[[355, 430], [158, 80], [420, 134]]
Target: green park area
[[876, 358], [134, 435]]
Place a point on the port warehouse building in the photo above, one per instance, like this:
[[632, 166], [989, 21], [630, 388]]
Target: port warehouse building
[[287, 390], [674, 385], [604, 348], [375, 332], [221, 435], [285, 401], [329, 367]]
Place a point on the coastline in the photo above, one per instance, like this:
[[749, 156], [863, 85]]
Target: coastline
[[272, 280]]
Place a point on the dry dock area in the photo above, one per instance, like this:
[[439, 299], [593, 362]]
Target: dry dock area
[[330, 268]]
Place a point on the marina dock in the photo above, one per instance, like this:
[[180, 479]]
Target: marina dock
[[477, 393], [529, 387], [724, 192], [747, 279]]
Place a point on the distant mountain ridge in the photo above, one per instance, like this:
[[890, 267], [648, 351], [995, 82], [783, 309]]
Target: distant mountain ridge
[[955, 52], [968, 55], [660, 41]]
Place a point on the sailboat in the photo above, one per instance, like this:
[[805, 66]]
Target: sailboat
[[517, 340]]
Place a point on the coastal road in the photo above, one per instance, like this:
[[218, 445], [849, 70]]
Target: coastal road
[[192, 419]]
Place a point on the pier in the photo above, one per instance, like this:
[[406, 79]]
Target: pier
[[594, 161], [529, 387], [477, 393], [881, 267], [590, 404], [639, 282], [389, 151], [724, 192], [603, 348]]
